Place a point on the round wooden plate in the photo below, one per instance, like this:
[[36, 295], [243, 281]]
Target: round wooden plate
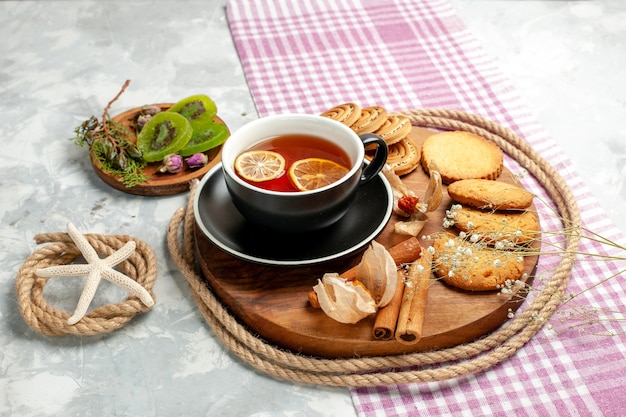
[[159, 184], [272, 301]]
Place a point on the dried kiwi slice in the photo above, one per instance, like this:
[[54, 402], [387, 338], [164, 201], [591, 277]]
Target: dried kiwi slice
[[199, 110], [214, 136], [162, 135]]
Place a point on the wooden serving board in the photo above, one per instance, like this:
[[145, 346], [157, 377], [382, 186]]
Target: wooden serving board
[[159, 184], [272, 301]]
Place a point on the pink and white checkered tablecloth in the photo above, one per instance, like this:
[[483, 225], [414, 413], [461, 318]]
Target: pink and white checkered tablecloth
[[308, 56]]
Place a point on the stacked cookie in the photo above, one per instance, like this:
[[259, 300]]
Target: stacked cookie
[[495, 219], [491, 219], [498, 211], [404, 155]]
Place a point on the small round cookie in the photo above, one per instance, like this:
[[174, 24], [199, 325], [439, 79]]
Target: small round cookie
[[490, 194], [518, 227], [472, 267], [462, 155], [394, 129], [403, 156], [370, 120], [347, 113]]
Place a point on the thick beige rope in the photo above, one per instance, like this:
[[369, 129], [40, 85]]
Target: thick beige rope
[[416, 367], [42, 317]]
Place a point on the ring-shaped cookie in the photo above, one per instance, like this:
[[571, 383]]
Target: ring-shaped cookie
[[403, 156], [371, 119], [394, 129], [347, 113]]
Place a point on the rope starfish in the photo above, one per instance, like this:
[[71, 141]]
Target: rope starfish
[[96, 269]]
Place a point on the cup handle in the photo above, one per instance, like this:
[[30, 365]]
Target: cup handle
[[380, 156]]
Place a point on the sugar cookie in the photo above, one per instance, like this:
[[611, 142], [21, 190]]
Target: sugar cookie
[[518, 227], [472, 267], [462, 155], [490, 194]]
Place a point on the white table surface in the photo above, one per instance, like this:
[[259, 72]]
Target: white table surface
[[62, 61]]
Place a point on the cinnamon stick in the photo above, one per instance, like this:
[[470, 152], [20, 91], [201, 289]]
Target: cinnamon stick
[[413, 308], [404, 252], [387, 316]]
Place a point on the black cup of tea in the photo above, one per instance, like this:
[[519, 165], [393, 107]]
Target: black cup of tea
[[297, 173]]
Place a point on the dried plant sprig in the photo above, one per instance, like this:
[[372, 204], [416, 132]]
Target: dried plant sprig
[[110, 143]]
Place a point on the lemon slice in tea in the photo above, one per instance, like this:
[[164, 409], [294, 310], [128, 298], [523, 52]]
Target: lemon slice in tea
[[312, 173], [257, 166]]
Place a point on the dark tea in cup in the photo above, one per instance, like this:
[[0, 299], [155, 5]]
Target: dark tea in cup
[[292, 163], [298, 146]]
